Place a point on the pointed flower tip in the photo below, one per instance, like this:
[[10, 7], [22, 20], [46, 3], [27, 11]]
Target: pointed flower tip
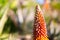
[[38, 8]]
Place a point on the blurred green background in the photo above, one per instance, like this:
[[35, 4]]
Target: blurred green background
[[17, 16]]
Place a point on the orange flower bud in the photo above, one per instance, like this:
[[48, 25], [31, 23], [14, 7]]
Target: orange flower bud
[[39, 30]]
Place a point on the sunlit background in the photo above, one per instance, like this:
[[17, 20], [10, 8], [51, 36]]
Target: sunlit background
[[17, 18]]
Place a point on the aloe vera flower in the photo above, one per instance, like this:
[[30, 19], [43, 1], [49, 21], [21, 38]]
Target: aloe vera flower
[[39, 30]]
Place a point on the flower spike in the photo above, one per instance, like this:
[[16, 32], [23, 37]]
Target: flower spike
[[39, 30]]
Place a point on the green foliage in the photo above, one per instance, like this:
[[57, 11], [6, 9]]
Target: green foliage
[[56, 5], [3, 2], [9, 27], [13, 4], [2, 10]]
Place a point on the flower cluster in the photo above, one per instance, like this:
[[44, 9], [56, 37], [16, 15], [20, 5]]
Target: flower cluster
[[39, 30]]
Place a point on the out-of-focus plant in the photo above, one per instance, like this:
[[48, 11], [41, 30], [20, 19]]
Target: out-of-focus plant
[[56, 5]]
